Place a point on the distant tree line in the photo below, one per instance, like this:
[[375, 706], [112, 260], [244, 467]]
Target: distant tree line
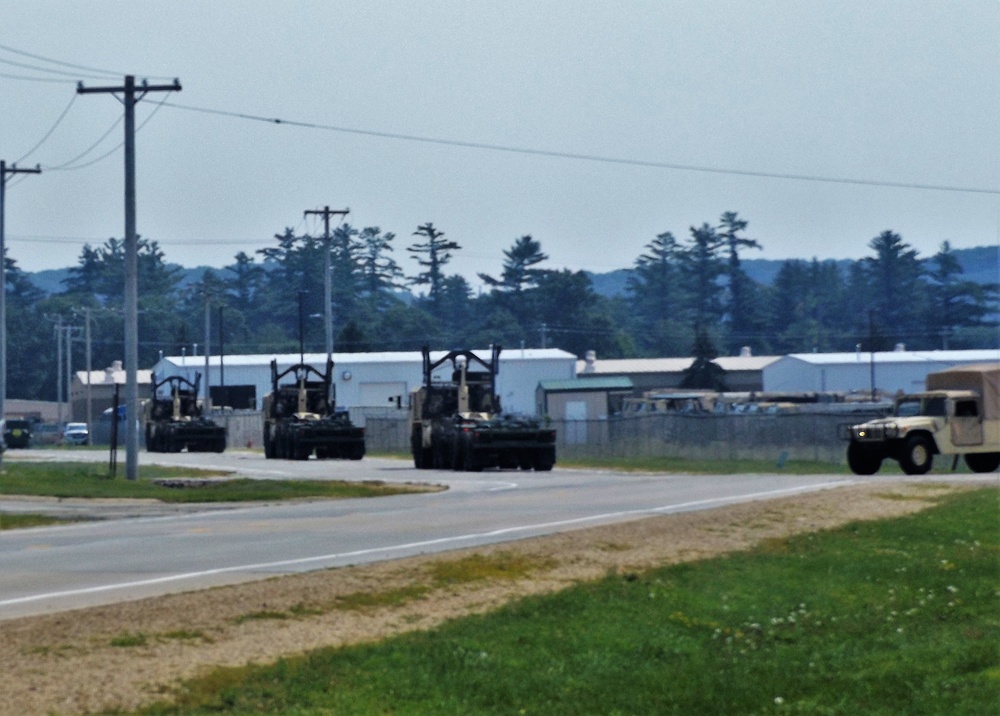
[[687, 296]]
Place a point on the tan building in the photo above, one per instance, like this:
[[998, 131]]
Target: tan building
[[45, 411], [102, 390], [742, 373]]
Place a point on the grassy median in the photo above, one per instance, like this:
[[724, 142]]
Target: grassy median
[[92, 480], [886, 617]]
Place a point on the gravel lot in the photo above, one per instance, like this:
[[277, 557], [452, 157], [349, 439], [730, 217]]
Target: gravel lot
[[67, 664]]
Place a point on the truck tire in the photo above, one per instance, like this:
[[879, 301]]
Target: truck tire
[[983, 461], [421, 457], [917, 457], [473, 462], [862, 459], [543, 463]]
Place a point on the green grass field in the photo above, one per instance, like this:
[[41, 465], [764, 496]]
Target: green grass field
[[891, 617]]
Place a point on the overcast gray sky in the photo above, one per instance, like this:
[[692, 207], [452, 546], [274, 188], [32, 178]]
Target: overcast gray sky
[[899, 92]]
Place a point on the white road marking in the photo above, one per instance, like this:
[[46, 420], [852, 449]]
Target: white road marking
[[608, 516]]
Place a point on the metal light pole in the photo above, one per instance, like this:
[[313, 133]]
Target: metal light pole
[[326, 213], [207, 405]]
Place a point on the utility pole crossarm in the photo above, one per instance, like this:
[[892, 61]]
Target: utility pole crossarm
[[175, 87]]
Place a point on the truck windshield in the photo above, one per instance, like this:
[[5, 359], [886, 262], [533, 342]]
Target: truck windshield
[[932, 407]]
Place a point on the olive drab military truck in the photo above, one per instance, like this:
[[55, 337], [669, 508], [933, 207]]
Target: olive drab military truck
[[174, 419], [458, 424], [301, 417], [958, 415]]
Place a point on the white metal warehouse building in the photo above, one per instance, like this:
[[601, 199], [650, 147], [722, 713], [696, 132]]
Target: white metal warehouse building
[[846, 372], [370, 381]]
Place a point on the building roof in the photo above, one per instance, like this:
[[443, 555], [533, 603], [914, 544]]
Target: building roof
[[110, 377], [670, 365], [585, 385], [884, 357], [264, 359]]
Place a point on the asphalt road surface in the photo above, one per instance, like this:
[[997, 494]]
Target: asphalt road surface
[[151, 550]]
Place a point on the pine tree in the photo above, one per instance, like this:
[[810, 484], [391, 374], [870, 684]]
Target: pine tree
[[956, 303], [433, 254], [742, 302]]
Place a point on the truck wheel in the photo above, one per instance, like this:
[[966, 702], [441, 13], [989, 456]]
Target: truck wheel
[[918, 455], [983, 461], [863, 460], [299, 451], [421, 457], [473, 462], [543, 464]]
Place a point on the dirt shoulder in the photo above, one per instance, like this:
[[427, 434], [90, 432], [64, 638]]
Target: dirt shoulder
[[126, 655]]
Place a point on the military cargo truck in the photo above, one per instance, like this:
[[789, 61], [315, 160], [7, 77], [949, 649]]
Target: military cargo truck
[[957, 415], [458, 423], [174, 421], [301, 417]]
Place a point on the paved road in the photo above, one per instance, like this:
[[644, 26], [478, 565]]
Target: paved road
[[154, 551]]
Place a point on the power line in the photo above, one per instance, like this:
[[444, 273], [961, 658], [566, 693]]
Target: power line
[[66, 167], [6, 76], [583, 157], [51, 130], [89, 149], [50, 70], [70, 164], [42, 58]]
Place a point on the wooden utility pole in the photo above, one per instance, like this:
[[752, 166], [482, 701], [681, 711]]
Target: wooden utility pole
[[4, 171], [129, 99], [326, 213]]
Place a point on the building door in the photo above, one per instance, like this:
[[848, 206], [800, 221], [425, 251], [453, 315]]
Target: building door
[[576, 421]]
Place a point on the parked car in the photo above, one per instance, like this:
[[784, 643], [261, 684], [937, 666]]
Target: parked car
[[76, 434], [17, 433]]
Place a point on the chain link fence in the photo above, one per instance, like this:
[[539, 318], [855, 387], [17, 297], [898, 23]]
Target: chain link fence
[[796, 436]]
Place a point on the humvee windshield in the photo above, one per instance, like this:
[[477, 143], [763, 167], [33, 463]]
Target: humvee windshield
[[909, 407]]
